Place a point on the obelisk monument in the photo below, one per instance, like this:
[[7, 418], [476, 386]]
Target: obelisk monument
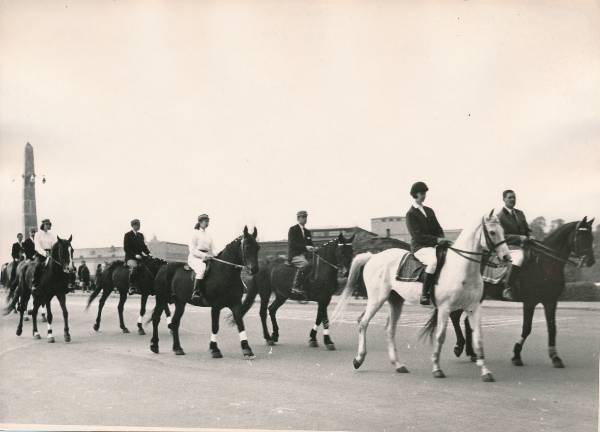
[[29, 209]]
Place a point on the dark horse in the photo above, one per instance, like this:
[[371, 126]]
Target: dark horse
[[54, 282], [278, 276], [224, 288], [542, 281], [117, 275]]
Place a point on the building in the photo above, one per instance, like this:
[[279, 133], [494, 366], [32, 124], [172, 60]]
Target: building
[[395, 227], [279, 248], [102, 255]]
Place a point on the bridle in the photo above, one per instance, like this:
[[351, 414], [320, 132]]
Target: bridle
[[552, 253], [320, 258], [485, 256], [242, 257], [60, 261]]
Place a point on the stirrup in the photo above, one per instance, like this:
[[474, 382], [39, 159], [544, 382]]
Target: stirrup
[[507, 295], [425, 300]]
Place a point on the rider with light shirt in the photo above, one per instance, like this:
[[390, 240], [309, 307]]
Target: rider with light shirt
[[201, 251], [44, 240]]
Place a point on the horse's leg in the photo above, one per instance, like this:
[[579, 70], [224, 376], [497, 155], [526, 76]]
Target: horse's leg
[[469, 341], [279, 300], [22, 307], [460, 339], [105, 293], [236, 310], [395, 310], [62, 300], [142, 313], [264, 304], [440, 337], [179, 309], [215, 314], [34, 312], [325, 321], [156, 313], [120, 307], [550, 311], [312, 337], [167, 312], [50, 319], [373, 305], [475, 316], [528, 310]]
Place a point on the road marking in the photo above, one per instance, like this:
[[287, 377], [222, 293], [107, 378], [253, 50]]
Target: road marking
[[59, 427]]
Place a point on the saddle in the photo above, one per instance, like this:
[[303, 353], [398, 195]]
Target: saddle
[[187, 268], [494, 275], [411, 269]]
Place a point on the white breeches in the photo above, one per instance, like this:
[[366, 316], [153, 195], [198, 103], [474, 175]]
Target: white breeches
[[198, 265], [427, 256], [517, 257]]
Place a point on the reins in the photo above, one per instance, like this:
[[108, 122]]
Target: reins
[[485, 255]]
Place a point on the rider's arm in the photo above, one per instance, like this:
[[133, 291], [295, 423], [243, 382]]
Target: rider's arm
[[144, 246]]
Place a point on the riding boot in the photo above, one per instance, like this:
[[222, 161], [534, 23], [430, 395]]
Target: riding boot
[[132, 281], [428, 283], [199, 296], [37, 276], [511, 284], [298, 284]]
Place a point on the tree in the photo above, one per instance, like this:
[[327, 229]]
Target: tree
[[537, 226], [556, 223]]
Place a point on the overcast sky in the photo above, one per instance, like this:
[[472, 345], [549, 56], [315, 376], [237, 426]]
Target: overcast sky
[[251, 110]]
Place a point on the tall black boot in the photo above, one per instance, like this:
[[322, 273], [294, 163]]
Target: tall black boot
[[428, 282], [298, 284], [132, 278], [199, 296], [37, 276], [511, 285]]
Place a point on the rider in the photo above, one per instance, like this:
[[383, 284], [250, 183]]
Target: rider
[[517, 233], [29, 245], [201, 251], [299, 242], [44, 240], [17, 254], [135, 247], [426, 234]]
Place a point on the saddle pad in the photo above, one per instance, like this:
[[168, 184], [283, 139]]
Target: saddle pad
[[410, 269], [494, 275]]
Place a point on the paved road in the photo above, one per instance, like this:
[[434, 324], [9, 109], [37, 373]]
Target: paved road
[[112, 378]]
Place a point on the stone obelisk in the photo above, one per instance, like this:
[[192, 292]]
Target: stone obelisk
[[29, 210]]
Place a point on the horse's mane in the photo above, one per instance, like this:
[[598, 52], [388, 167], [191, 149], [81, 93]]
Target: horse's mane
[[228, 246], [114, 264], [558, 235]]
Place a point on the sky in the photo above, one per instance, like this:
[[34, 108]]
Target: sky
[[252, 110]]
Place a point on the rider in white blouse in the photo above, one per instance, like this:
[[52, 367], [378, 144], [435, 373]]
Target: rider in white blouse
[[201, 251]]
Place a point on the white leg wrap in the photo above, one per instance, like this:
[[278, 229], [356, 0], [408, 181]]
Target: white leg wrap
[[213, 337], [243, 335], [325, 332], [315, 327], [168, 320], [49, 328], [480, 362], [140, 319]]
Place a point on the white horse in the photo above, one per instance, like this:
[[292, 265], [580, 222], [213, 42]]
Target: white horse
[[459, 287]]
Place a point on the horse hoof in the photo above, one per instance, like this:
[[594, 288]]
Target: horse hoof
[[270, 342], [473, 358], [25, 318], [458, 350], [51, 339], [402, 369], [44, 318], [356, 363], [438, 374], [517, 362], [96, 327], [330, 347], [216, 354], [488, 377], [141, 331], [154, 348], [67, 337], [558, 363], [275, 338], [313, 344], [248, 354], [178, 351], [125, 330], [37, 336], [19, 331]]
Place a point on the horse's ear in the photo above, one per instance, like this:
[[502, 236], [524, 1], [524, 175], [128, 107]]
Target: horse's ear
[[58, 238], [255, 232], [245, 230], [584, 219], [70, 238], [491, 213], [351, 239], [591, 221], [341, 237]]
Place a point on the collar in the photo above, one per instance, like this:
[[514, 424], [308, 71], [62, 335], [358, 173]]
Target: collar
[[510, 211], [419, 207]]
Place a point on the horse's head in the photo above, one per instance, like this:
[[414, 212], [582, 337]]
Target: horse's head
[[493, 237], [344, 253], [583, 242], [249, 250], [62, 253]]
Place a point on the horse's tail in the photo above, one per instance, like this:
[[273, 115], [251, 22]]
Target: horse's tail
[[354, 279], [162, 288], [96, 291], [14, 295], [428, 331]]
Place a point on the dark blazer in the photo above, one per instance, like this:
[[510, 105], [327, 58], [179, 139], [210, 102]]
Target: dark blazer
[[17, 251], [297, 242], [29, 248], [134, 244], [424, 231], [513, 226]]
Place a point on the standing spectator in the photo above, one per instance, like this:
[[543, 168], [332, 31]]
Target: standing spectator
[[83, 273]]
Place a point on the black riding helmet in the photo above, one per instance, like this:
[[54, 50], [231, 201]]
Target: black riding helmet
[[418, 187]]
